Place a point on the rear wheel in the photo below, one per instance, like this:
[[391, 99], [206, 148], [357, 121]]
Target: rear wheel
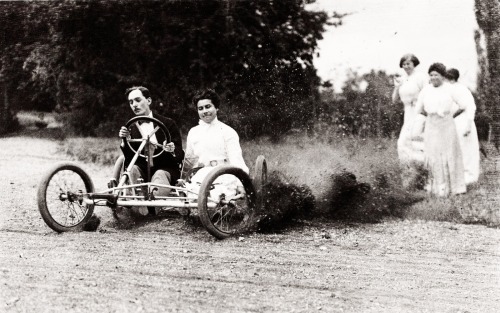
[[60, 197], [260, 179], [221, 217]]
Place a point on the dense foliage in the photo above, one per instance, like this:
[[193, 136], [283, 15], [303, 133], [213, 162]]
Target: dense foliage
[[79, 56]]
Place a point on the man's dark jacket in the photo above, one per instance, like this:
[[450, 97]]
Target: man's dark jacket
[[165, 161]]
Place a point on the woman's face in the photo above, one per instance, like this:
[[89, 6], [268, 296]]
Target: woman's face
[[408, 66], [206, 110], [436, 78]]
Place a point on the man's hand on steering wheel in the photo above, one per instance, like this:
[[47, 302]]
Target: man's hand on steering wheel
[[124, 133], [169, 147]]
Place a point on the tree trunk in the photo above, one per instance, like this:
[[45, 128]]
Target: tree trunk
[[488, 19], [4, 111]]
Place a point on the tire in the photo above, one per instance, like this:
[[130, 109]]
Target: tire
[[118, 168], [237, 219], [55, 209], [260, 179]]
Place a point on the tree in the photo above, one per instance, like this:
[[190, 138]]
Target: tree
[[488, 19], [12, 52], [257, 54]]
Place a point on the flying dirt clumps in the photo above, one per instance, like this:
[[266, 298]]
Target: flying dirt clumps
[[284, 204], [348, 199]]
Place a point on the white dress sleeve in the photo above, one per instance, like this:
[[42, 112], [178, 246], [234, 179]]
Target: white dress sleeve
[[233, 150], [463, 99], [419, 105], [469, 103], [422, 80], [419, 121], [190, 159]]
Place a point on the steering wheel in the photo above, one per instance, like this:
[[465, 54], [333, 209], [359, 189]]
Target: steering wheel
[[157, 127]]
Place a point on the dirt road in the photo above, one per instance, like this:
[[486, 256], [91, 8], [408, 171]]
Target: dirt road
[[167, 266]]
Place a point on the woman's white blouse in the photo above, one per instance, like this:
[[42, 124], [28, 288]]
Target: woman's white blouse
[[440, 100], [214, 141], [411, 86]]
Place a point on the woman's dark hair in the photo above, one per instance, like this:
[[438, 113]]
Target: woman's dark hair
[[144, 90], [207, 94], [437, 67], [410, 57], [453, 74]]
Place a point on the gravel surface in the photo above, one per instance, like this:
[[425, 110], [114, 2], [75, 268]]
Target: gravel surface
[[166, 265]]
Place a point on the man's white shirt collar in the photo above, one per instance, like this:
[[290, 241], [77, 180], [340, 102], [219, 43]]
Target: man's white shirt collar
[[147, 128], [203, 123]]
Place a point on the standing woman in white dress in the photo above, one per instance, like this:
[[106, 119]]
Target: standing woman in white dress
[[466, 128], [442, 153], [407, 89]]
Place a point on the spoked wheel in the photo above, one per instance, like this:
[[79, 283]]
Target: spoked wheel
[[221, 217], [60, 197], [260, 179]]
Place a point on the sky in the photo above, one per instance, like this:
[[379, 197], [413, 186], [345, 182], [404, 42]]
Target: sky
[[378, 32]]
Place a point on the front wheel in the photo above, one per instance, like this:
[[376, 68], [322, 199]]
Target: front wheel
[[219, 213], [60, 197]]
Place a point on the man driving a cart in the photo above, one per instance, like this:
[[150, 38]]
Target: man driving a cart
[[222, 192], [163, 169]]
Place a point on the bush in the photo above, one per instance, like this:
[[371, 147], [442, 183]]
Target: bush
[[362, 112]]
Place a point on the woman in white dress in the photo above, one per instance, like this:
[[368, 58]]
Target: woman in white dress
[[407, 89], [466, 128], [442, 153], [212, 143]]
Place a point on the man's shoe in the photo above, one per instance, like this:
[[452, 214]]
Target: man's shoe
[[152, 211]]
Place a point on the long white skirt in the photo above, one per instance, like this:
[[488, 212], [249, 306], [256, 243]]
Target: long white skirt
[[469, 145]]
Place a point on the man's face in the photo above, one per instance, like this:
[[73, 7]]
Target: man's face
[[138, 103], [206, 110]]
